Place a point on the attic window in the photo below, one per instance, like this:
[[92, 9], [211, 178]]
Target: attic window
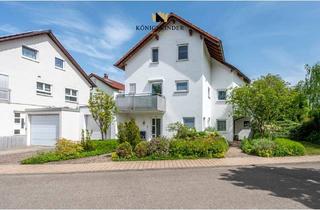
[[183, 52]]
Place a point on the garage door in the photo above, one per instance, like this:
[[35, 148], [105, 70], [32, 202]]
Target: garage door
[[44, 129]]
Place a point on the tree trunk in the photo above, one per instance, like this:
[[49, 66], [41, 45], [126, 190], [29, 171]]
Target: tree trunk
[[102, 134]]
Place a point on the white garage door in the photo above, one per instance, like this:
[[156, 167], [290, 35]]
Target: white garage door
[[44, 129]]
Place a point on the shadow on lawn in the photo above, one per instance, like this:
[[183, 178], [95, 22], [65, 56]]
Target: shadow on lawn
[[299, 184]]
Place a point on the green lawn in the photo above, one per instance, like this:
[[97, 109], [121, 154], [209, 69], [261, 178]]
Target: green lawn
[[311, 149], [100, 147]]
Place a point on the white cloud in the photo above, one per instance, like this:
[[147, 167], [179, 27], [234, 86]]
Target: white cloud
[[9, 29]]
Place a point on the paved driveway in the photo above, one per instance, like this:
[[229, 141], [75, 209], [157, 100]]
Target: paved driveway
[[14, 156], [281, 186]]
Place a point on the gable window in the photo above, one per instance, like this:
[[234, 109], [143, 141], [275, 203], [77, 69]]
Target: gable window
[[71, 95], [155, 55], [182, 86], [132, 88], [29, 53], [189, 121], [58, 63], [222, 95], [183, 52], [4, 88], [221, 125], [43, 88]]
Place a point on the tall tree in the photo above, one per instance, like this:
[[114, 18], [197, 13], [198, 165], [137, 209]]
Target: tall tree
[[312, 86], [264, 101], [103, 109]]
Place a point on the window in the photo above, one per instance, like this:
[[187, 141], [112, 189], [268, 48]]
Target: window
[[16, 131], [182, 86], [189, 121], [183, 52], [71, 95], [222, 95], [43, 88], [4, 88], [156, 88], [29, 53], [58, 63], [132, 88], [221, 125], [246, 124], [17, 117], [209, 92], [155, 55]]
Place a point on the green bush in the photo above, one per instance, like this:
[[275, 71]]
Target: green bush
[[141, 150], [200, 147], [158, 147], [124, 150], [68, 148], [287, 147], [86, 141], [181, 131], [263, 147], [129, 132], [246, 146]]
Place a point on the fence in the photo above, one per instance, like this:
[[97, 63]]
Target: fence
[[7, 142]]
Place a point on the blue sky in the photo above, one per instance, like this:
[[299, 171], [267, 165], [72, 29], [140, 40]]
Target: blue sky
[[258, 37]]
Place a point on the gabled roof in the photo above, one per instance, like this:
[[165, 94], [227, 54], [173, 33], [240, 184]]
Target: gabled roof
[[56, 41], [214, 44], [111, 83]]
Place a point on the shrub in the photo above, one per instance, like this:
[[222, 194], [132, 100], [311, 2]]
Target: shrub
[[246, 146], [200, 147], [263, 147], [124, 150], [286, 147], [158, 147], [283, 128], [141, 150], [182, 131], [86, 141], [68, 148], [129, 132]]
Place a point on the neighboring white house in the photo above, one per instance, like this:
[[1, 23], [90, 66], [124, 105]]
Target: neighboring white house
[[178, 72], [43, 90], [112, 88]]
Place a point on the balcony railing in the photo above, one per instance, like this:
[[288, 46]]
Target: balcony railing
[[127, 103], [4, 95]]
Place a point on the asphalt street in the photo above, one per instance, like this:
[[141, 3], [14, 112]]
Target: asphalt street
[[280, 186]]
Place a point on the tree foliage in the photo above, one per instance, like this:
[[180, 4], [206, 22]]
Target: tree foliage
[[103, 109], [129, 132], [266, 101], [312, 86]]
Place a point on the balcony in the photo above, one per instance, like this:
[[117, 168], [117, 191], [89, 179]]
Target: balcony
[[4, 95], [141, 103]]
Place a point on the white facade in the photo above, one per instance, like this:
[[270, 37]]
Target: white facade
[[205, 77], [23, 75]]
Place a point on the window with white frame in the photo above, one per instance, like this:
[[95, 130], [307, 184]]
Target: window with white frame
[[155, 55], [71, 95], [58, 63], [222, 95], [183, 52], [189, 122], [221, 125], [17, 117], [29, 53], [4, 88], [132, 88], [182, 86], [16, 131], [43, 88]]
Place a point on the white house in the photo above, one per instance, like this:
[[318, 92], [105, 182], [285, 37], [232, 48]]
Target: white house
[[43, 90], [112, 88], [178, 72]]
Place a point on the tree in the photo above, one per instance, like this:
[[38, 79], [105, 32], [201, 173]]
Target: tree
[[129, 132], [103, 109], [264, 101], [312, 86]]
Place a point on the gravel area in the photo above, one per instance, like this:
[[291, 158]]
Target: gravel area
[[94, 159], [16, 158]]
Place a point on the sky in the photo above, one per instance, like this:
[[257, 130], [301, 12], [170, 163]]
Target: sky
[[258, 37]]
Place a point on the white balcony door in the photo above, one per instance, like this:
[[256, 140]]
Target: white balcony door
[[156, 127]]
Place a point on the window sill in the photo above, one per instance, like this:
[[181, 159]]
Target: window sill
[[182, 91], [72, 102], [30, 59], [43, 94], [154, 62], [181, 60], [61, 69]]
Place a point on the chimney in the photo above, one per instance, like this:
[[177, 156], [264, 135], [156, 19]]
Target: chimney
[[105, 76]]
